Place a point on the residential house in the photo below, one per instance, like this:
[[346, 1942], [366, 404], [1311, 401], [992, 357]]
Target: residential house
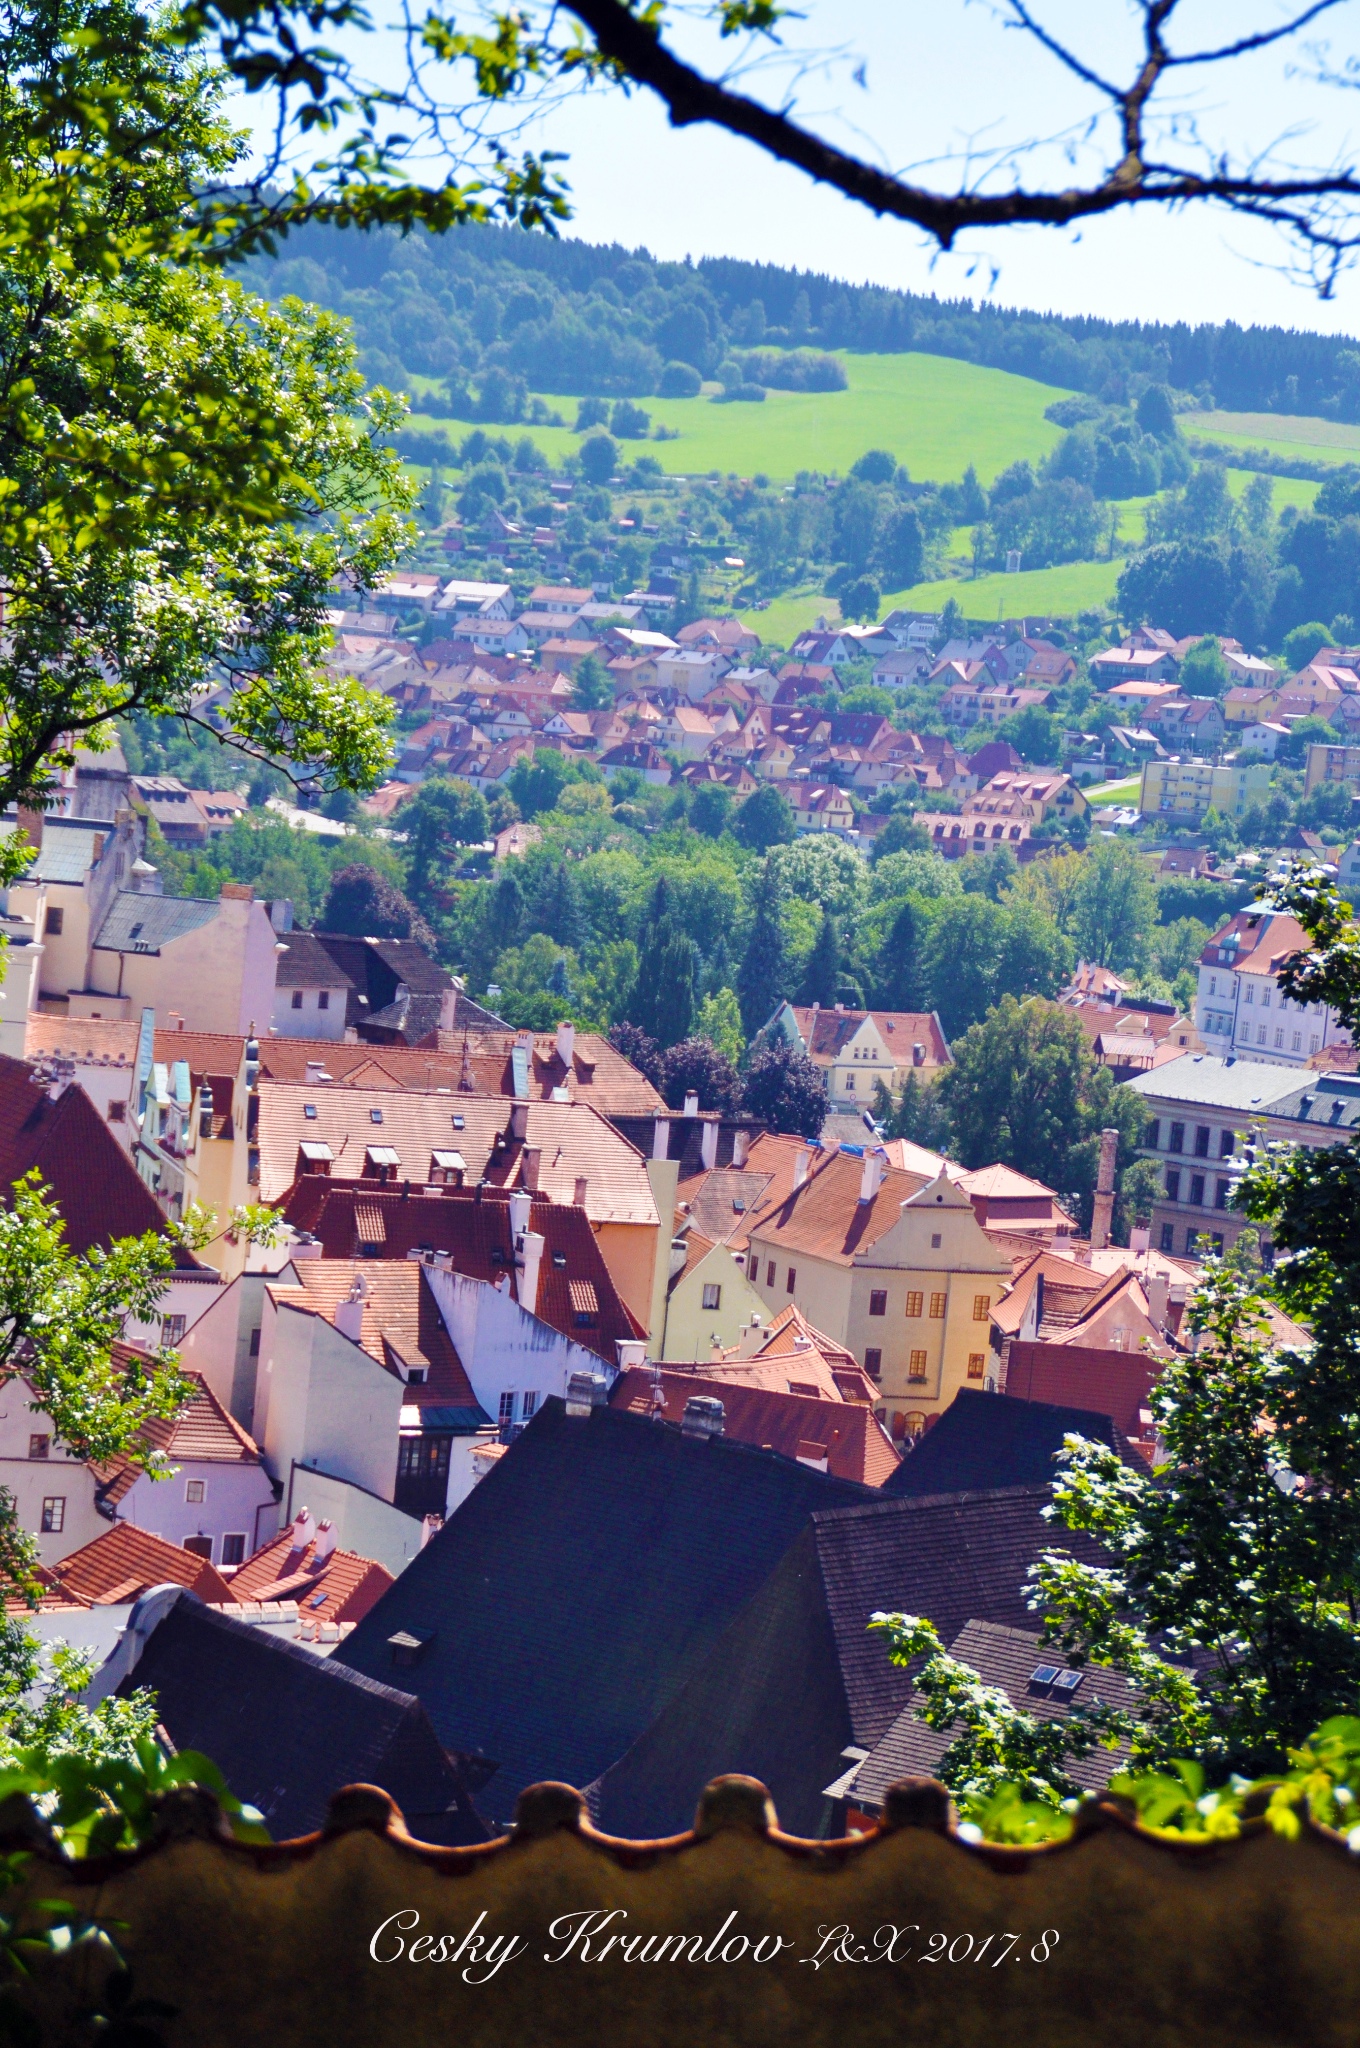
[[101, 1057], [184, 1141], [973, 702], [409, 590], [1239, 1006], [691, 671], [117, 1567], [1196, 726], [902, 1274], [465, 600], [387, 991], [1025, 793], [844, 1438], [1185, 790], [856, 1049], [639, 755], [1129, 664], [1265, 736], [730, 635], [903, 669], [563, 654], [822, 649], [1205, 1109], [1331, 764], [217, 1501], [822, 807], [685, 730], [333, 1588], [955, 837], [661, 1538], [187, 817], [1046, 666]]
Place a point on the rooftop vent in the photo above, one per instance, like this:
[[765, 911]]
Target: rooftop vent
[[585, 1390], [704, 1416]]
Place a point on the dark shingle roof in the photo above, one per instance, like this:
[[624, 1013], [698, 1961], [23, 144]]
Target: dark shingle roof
[[984, 1441], [288, 1728], [796, 1676], [580, 1582], [143, 924]]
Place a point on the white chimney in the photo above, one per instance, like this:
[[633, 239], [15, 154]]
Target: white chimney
[[1140, 1237], [1102, 1212], [521, 1208], [304, 1528], [691, 1104], [741, 1145], [871, 1179], [349, 1314], [528, 1279], [1159, 1298], [316, 1073], [800, 1166], [325, 1542], [661, 1138], [631, 1351], [709, 1146], [566, 1043]]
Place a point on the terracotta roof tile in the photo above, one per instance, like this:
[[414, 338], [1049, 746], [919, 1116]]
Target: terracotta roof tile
[[846, 1435], [125, 1561], [401, 1320], [342, 1587]]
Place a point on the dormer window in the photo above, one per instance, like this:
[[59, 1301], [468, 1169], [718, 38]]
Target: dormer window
[[375, 1116]]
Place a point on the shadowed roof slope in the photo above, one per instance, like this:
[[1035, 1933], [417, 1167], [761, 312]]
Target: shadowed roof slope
[[985, 1441], [287, 1728], [578, 1585]]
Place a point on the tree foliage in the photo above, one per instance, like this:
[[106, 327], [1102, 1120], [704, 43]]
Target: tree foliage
[[785, 1090]]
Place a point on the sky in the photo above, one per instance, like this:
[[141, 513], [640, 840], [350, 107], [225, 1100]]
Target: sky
[[921, 85]]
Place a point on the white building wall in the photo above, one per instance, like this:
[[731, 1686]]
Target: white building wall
[[237, 1500], [321, 1400], [504, 1349]]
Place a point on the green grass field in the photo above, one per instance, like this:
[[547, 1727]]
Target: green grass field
[[1282, 433], [1125, 792], [934, 414], [1073, 587]]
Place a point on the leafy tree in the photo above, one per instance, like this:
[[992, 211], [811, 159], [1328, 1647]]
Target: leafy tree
[[761, 982], [977, 951], [1304, 643], [901, 834], [598, 458], [1036, 735], [918, 1114], [445, 815], [663, 997], [536, 786], [898, 967], [711, 809], [822, 870], [695, 1066], [364, 903], [635, 1045], [720, 1022], [1025, 1087], [592, 686], [1204, 672], [1115, 907], [765, 819], [784, 1089], [861, 599], [557, 905]]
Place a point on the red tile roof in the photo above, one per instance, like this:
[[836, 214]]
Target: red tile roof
[[401, 1321], [119, 1566], [476, 1062], [845, 1436], [1113, 1383], [342, 1587]]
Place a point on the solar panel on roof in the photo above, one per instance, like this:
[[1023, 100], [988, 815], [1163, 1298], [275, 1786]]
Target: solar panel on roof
[[1068, 1681]]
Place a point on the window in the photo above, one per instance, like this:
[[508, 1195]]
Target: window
[[1296, 1042], [793, 1275], [1176, 1141], [1312, 1044], [916, 1366], [53, 923], [754, 1273], [1202, 1136], [1226, 1141], [1197, 1190], [1260, 1034], [1173, 1184], [1221, 1195], [982, 1307], [1168, 1237], [117, 1112], [849, 1084], [1191, 1236], [1265, 998], [1154, 1134], [39, 1446], [323, 1001], [712, 1294], [309, 1111], [935, 1242], [873, 1364], [233, 1550], [878, 1302], [1251, 992], [937, 1306], [172, 1329], [1217, 1242], [375, 1116], [53, 1514], [195, 1492], [915, 1303], [255, 1343], [528, 1405], [1213, 984], [976, 1362], [1279, 1041], [297, 998], [199, 1546], [507, 1408], [769, 1274]]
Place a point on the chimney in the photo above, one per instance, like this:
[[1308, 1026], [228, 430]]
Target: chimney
[[661, 1138], [579, 1197], [585, 1390], [429, 1528], [1102, 1214], [751, 1338], [1159, 1298], [691, 1104], [529, 1165], [519, 1120], [918, 1054], [801, 1165], [1140, 1237], [741, 1145], [533, 1242], [31, 826], [630, 1351], [349, 1314], [325, 1543], [709, 1146], [304, 1528], [566, 1043], [871, 1180], [704, 1416], [521, 1206]]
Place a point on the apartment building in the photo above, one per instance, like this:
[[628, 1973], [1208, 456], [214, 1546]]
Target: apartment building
[[1185, 790], [1239, 1007]]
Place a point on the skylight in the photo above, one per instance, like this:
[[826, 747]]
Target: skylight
[[1044, 1674], [375, 1116]]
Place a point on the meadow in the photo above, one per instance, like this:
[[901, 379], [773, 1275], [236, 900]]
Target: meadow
[[1282, 433], [934, 414]]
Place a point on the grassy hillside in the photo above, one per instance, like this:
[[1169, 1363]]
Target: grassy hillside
[[1282, 433], [934, 414], [1071, 588]]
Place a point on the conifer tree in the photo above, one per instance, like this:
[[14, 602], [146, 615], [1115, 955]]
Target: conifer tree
[[822, 974], [761, 977]]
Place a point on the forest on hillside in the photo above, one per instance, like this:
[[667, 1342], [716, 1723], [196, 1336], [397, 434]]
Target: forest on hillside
[[552, 315]]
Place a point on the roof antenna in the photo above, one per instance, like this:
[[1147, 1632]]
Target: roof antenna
[[658, 1393]]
